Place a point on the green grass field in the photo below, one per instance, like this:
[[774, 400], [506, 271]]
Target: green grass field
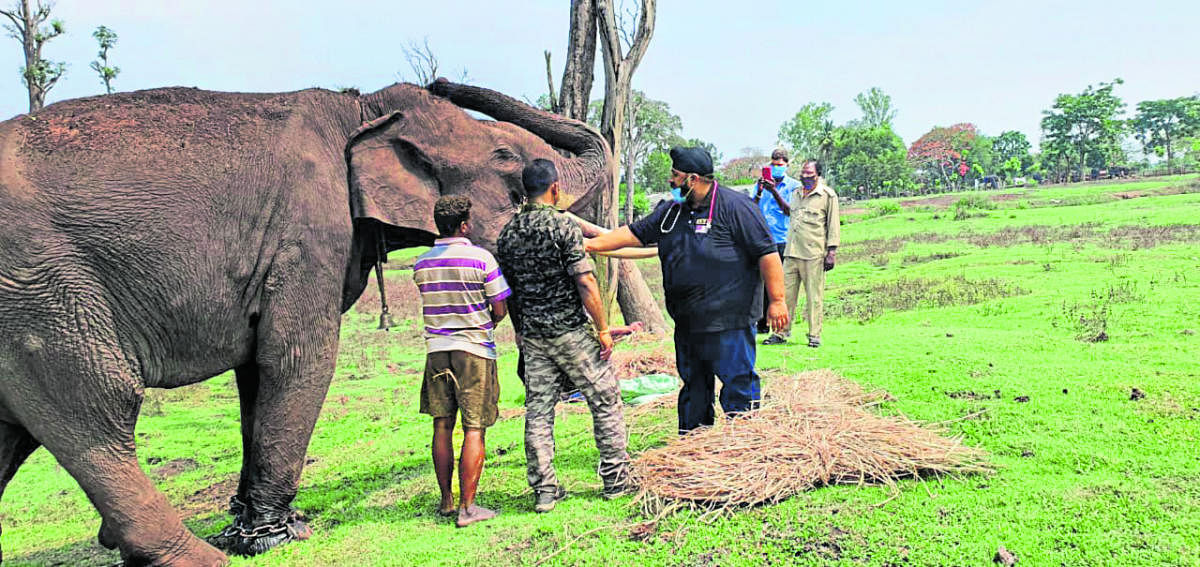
[[1025, 326]]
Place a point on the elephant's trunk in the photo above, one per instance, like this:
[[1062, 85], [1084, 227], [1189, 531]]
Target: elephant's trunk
[[587, 170]]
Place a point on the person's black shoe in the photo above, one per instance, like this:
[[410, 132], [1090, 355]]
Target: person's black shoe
[[774, 340], [544, 501], [814, 342], [618, 490]]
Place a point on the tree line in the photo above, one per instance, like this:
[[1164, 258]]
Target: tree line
[[1085, 135]]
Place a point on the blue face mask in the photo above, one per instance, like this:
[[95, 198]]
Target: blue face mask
[[677, 195], [778, 171]]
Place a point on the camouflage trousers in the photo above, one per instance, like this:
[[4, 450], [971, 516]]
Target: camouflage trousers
[[575, 354]]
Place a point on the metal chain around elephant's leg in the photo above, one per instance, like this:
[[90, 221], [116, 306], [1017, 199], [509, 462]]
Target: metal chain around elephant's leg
[[242, 538]]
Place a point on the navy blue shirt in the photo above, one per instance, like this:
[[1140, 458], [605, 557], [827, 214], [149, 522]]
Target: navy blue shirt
[[710, 271]]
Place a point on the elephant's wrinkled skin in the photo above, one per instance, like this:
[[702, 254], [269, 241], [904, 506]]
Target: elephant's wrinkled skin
[[159, 238]]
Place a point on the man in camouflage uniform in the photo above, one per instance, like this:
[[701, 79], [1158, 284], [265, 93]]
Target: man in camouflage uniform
[[541, 254]]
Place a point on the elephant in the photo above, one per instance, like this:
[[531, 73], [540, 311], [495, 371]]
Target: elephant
[[158, 238]]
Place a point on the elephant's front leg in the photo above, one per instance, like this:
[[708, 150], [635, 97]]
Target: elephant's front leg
[[297, 351]]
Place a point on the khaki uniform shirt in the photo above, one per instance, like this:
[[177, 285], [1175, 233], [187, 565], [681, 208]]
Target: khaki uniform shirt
[[815, 223]]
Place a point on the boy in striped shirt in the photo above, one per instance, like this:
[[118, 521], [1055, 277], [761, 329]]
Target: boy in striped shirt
[[463, 298]]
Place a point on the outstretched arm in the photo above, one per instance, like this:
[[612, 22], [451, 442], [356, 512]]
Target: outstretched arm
[[619, 238], [630, 253]]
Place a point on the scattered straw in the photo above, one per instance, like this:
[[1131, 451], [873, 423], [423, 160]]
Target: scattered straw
[[631, 363], [813, 429]]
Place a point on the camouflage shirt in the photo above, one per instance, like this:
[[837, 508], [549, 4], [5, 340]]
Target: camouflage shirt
[[540, 253]]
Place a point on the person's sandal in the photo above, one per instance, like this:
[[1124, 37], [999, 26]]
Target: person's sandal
[[774, 340]]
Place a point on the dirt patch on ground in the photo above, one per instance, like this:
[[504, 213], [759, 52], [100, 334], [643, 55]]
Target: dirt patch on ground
[[1006, 197], [208, 500], [1129, 237], [941, 202], [176, 467], [947, 201], [972, 395], [913, 259]]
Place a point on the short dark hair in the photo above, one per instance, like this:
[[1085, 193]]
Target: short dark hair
[[538, 176], [449, 213], [779, 153], [816, 165]]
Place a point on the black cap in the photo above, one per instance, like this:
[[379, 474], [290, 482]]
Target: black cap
[[692, 160]]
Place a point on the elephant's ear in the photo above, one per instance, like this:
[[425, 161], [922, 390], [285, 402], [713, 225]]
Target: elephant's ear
[[391, 180]]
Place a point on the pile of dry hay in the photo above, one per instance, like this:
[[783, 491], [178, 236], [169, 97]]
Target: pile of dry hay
[[813, 429]]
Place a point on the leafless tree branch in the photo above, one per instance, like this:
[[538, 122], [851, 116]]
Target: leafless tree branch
[[422, 61]]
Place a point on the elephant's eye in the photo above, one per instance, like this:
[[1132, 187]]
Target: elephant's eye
[[505, 154]]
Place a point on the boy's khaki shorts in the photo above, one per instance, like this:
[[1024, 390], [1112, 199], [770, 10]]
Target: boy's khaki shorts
[[458, 381]]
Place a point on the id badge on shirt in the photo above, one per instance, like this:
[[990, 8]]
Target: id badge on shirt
[[702, 226]]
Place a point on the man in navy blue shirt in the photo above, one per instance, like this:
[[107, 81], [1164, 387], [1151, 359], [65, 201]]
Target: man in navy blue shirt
[[716, 252], [772, 196]]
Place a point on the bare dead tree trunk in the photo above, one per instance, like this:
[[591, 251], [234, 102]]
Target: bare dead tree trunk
[[618, 78], [581, 60], [550, 86], [634, 297], [630, 157]]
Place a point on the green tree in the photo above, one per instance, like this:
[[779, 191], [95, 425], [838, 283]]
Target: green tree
[[980, 158], [649, 127], [1160, 124], [1011, 168], [39, 75], [870, 161], [697, 142], [1084, 130], [876, 107], [655, 172], [1012, 144], [107, 39], [807, 131]]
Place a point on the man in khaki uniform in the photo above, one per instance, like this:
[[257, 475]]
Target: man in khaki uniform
[[813, 236]]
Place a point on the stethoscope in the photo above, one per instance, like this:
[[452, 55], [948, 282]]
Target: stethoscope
[[678, 208]]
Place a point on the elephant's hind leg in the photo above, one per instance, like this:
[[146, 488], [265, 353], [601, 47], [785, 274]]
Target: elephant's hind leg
[[16, 445], [91, 435]]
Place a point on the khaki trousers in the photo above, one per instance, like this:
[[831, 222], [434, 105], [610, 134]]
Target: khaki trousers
[[810, 273]]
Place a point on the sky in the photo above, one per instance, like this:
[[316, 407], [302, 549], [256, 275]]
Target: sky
[[733, 71]]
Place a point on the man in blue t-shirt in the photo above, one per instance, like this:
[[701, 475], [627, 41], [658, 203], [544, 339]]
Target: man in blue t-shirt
[[775, 210], [715, 252]]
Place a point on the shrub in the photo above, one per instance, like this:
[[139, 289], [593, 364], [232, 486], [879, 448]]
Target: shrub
[[884, 209]]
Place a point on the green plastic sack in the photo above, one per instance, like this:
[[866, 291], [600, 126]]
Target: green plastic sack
[[642, 389]]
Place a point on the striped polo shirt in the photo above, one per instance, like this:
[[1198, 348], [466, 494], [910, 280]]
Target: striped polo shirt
[[458, 281]]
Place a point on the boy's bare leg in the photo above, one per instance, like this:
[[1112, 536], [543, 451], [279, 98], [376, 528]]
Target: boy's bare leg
[[470, 468], [443, 460]]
